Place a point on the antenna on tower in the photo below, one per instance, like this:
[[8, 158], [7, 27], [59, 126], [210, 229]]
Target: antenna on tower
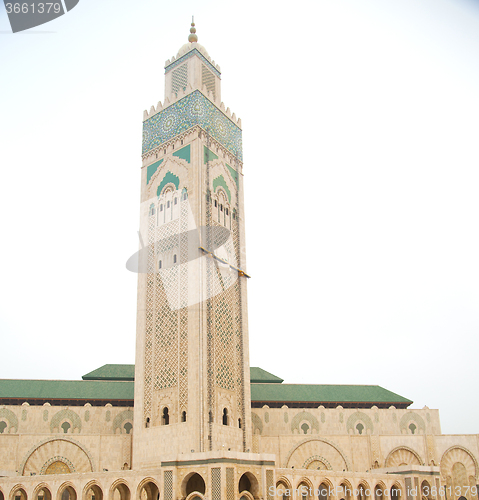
[[193, 37]]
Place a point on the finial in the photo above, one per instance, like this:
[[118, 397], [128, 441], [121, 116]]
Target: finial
[[193, 36]]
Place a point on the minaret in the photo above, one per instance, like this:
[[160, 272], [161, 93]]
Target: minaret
[[192, 385]]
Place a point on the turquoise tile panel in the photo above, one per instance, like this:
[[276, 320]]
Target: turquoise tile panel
[[208, 155], [151, 169], [184, 153], [193, 109], [169, 177]]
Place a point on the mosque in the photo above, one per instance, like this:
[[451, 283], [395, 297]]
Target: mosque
[[191, 420]]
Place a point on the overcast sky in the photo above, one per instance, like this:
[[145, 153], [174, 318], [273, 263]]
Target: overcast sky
[[360, 132]]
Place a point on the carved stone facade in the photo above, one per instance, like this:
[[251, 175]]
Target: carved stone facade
[[192, 432]]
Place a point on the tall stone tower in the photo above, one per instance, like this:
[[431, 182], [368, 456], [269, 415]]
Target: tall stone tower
[[192, 385]]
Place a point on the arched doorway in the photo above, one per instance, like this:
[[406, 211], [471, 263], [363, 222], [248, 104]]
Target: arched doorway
[[148, 491], [67, 492], [19, 494], [92, 491], [42, 493], [195, 483], [323, 491], [379, 492], [363, 492], [283, 491], [344, 491], [304, 491], [119, 491], [395, 493], [426, 491], [249, 483]]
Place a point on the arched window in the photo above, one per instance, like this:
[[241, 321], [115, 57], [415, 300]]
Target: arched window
[[323, 491], [65, 426], [128, 427], [184, 195], [174, 259], [360, 428], [305, 428], [239, 423], [211, 417], [195, 483], [175, 201], [225, 416], [159, 264], [147, 423], [152, 209], [3, 426], [161, 207], [168, 204], [166, 416], [183, 416], [412, 428], [395, 493]]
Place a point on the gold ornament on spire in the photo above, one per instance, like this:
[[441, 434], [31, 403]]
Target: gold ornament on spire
[[193, 36]]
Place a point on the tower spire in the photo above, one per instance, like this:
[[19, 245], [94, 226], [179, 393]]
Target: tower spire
[[193, 37]]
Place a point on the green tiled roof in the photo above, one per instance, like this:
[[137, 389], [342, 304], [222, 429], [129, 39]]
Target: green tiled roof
[[116, 383], [258, 376], [66, 389], [127, 372], [324, 394], [112, 372]]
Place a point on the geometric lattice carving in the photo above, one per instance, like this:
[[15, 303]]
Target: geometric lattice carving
[[121, 417], [11, 418], [216, 483], [431, 449], [360, 417], [304, 416], [411, 417], [166, 332], [168, 485], [375, 451], [230, 485], [65, 415], [208, 80], [179, 78], [269, 484]]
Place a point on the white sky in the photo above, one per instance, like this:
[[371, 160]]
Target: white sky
[[361, 185]]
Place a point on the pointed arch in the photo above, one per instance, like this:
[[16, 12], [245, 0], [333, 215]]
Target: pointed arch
[[403, 455], [334, 446]]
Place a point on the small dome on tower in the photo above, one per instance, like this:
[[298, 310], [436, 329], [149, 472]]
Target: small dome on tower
[[192, 43], [190, 46]]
